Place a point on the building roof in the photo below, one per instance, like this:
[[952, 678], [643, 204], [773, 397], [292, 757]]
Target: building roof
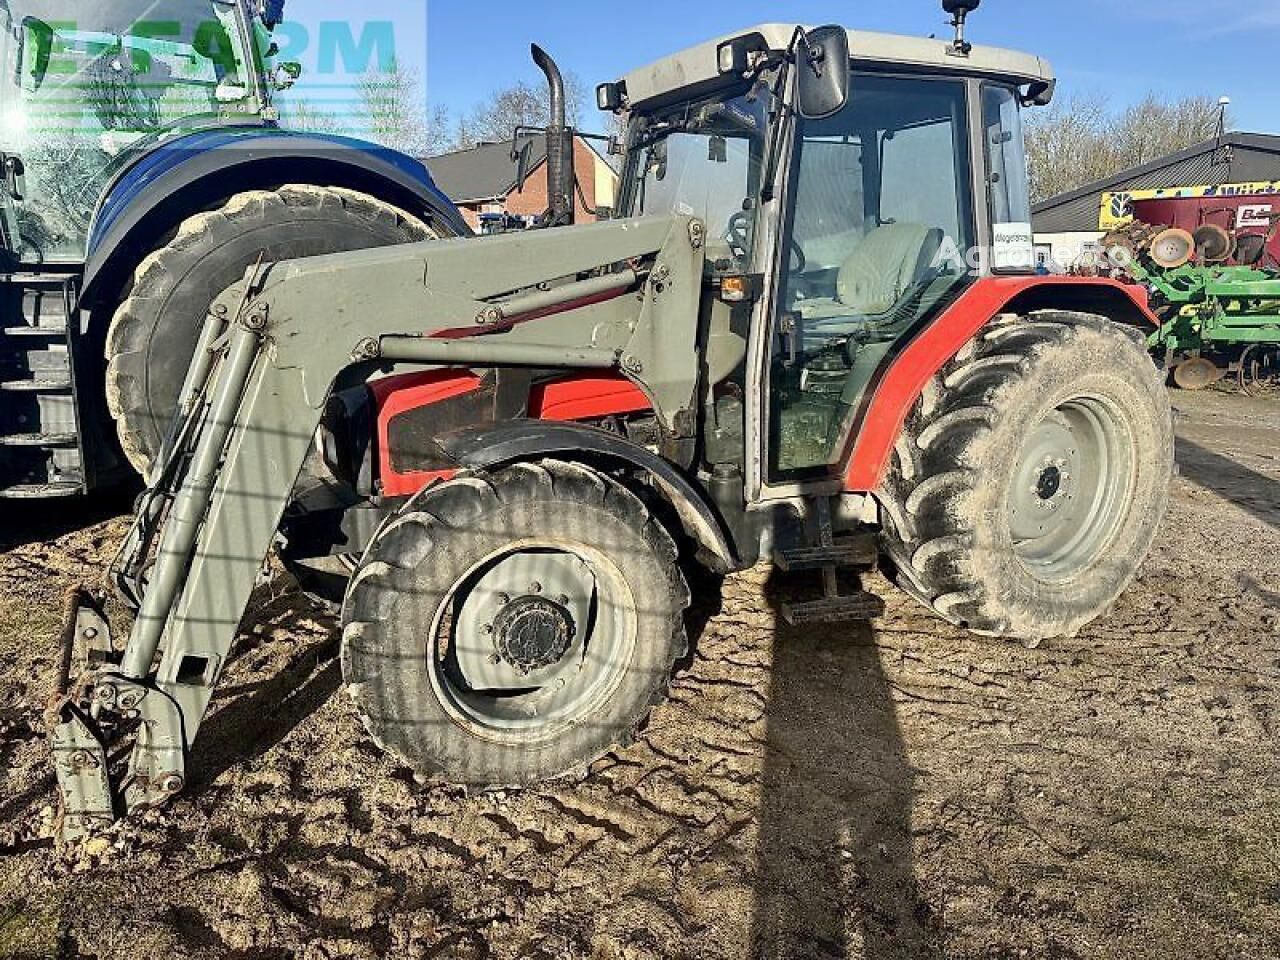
[[484, 172], [1254, 157], [699, 65]]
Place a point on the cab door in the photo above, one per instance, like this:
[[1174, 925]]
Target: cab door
[[878, 235]]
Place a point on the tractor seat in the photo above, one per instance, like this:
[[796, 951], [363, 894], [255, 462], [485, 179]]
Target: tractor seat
[[888, 262]]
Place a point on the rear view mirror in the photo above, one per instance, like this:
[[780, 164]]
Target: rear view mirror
[[286, 75], [822, 63], [522, 154], [34, 50]]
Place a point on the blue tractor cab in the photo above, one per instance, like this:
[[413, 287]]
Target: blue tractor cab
[[142, 169]]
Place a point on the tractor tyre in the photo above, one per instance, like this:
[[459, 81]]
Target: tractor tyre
[[154, 331], [511, 628], [1030, 481]]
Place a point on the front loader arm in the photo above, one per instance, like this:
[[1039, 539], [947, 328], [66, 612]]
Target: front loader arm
[[622, 294]]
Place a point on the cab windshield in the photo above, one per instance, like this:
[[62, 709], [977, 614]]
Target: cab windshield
[[702, 159], [84, 84]]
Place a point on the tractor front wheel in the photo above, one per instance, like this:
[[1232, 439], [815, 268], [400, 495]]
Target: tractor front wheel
[[511, 628], [154, 332], [1030, 481]]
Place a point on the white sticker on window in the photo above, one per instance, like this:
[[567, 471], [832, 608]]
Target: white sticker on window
[[1014, 247]]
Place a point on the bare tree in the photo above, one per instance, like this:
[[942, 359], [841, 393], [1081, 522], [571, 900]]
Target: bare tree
[[1081, 140], [304, 116], [398, 114], [394, 114], [523, 104], [389, 110]]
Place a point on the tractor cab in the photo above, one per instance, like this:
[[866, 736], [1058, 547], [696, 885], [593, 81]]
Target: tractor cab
[[86, 86], [834, 234]]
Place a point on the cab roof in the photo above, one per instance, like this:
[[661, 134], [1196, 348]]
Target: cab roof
[[698, 66]]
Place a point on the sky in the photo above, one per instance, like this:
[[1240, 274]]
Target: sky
[[1125, 48]]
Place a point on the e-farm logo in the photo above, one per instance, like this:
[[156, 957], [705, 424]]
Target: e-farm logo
[[110, 74], [339, 47], [330, 47]]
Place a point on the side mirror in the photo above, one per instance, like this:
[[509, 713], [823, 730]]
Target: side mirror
[[521, 153], [822, 63], [271, 13], [286, 75]]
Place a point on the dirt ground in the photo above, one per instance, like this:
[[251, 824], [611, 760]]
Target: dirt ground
[[907, 791]]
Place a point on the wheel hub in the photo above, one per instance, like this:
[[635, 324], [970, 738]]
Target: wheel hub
[[1050, 483], [525, 622], [1069, 490], [533, 633]]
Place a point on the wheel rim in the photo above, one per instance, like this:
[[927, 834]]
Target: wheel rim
[[1073, 481], [532, 641]]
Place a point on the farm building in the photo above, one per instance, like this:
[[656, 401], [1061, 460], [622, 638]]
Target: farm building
[[483, 179]]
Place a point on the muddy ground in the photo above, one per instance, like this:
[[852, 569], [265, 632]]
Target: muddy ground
[[903, 791]]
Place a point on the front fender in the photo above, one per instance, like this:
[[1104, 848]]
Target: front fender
[[502, 444], [200, 170]]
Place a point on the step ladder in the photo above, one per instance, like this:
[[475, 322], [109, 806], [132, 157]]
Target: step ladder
[[41, 453], [829, 555]]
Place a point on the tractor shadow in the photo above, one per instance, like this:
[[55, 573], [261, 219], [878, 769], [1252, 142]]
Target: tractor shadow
[[835, 875], [250, 719], [1251, 491], [22, 524]]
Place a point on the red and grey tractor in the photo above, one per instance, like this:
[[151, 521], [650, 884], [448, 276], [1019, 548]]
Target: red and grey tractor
[[812, 335]]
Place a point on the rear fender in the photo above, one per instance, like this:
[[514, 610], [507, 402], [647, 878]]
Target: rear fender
[[201, 170], [906, 377]]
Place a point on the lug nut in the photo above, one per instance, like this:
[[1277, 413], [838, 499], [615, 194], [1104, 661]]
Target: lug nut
[[535, 587], [504, 599], [562, 600]]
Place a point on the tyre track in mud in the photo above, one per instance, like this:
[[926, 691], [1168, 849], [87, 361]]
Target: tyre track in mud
[[902, 791]]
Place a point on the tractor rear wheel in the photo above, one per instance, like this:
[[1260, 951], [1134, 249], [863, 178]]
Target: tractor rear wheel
[[512, 628], [1031, 479], [155, 328]]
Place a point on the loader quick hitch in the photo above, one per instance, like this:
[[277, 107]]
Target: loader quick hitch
[[117, 698]]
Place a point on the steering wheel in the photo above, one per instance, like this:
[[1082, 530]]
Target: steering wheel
[[737, 235]]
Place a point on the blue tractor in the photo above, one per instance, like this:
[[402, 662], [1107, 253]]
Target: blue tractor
[[142, 171]]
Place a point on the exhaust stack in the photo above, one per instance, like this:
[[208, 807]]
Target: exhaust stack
[[560, 172]]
